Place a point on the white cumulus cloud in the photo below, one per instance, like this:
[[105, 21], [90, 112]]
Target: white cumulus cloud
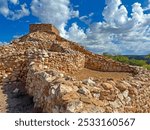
[[13, 14], [14, 1], [75, 33], [56, 12], [120, 33], [148, 7]]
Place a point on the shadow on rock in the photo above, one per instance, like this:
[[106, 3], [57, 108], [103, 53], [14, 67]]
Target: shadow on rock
[[18, 101]]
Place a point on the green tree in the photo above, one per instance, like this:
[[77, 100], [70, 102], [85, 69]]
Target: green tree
[[122, 59], [148, 56]]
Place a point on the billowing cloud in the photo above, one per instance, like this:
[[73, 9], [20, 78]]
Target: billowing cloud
[[14, 1], [114, 15], [74, 14], [56, 12], [120, 33], [75, 33], [4, 8], [19, 13], [13, 14], [148, 7]]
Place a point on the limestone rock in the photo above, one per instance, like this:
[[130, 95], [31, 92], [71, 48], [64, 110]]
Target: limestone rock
[[107, 86], [74, 106], [88, 82]]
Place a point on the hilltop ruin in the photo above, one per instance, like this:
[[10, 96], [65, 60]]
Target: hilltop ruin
[[45, 65]]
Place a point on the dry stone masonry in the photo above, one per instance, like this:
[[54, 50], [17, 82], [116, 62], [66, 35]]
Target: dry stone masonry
[[43, 62], [43, 28]]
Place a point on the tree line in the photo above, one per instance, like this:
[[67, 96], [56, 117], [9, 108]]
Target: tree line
[[125, 59]]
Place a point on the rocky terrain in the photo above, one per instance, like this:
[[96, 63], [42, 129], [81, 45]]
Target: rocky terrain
[[43, 72]]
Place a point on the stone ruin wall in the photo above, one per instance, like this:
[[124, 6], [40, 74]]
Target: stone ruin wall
[[63, 62], [92, 61], [31, 64], [14, 61], [12, 64], [43, 28], [95, 61], [28, 66], [56, 92], [99, 63], [48, 91]]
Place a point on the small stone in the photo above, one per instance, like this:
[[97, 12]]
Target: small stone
[[61, 75], [98, 102], [96, 95], [45, 67], [45, 54], [89, 82], [74, 106], [16, 90], [107, 86], [49, 79], [53, 91], [32, 63], [85, 100], [84, 91], [127, 100], [70, 96], [104, 94], [115, 104], [55, 109], [13, 78], [125, 93], [120, 96], [133, 91], [44, 75], [63, 89], [122, 86]]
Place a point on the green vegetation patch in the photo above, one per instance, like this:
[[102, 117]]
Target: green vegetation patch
[[126, 60]]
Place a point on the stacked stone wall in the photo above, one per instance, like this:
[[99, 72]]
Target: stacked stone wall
[[43, 28], [56, 92], [95, 61], [64, 62]]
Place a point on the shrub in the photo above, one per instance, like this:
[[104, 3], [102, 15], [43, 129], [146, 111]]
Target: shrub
[[148, 56], [122, 59], [137, 62], [147, 67], [125, 59]]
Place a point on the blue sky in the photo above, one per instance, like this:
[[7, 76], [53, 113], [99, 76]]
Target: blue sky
[[113, 26]]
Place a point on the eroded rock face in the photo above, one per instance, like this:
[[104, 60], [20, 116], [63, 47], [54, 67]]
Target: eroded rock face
[[42, 62]]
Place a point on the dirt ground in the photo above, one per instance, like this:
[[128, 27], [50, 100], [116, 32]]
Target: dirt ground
[[86, 73]]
